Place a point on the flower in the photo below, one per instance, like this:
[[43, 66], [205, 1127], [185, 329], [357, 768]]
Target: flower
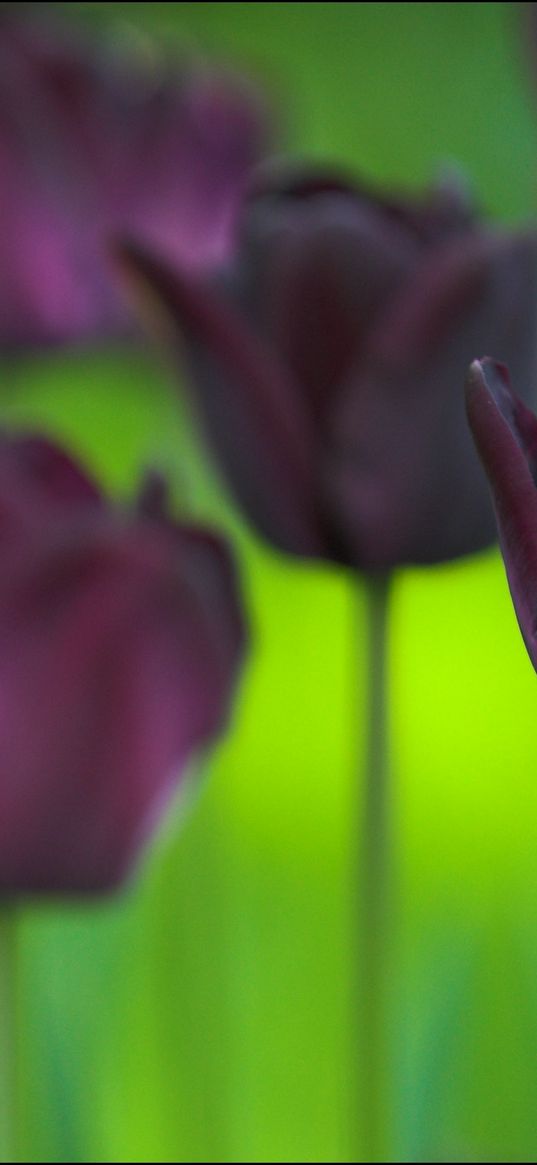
[[120, 639], [325, 357], [505, 433], [96, 137]]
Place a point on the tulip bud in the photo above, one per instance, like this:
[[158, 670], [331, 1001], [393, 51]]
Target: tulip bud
[[91, 144], [325, 358], [120, 638]]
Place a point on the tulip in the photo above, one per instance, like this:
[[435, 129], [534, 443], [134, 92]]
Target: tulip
[[324, 360], [93, 141], [505, 433], [120, 638]]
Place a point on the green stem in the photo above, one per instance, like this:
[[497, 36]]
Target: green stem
[[375, 876], [8, 1065]]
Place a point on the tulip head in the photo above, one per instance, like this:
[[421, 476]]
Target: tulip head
[[325, 357], [120, 638]]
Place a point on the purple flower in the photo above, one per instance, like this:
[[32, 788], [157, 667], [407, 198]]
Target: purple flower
[[92, 142], [505, 432], [120, 639], [325, 359]]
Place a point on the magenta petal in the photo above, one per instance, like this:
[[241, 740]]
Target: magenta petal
[[505, 434], [121, 636], [98, 137], [257, 424], [40, 483], [44, 467]]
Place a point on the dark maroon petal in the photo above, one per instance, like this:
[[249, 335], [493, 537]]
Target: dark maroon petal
[[314, 275], [121, 636], [103, 741], [40, 483], [258, 427], [119, 647], [47, 468], [323, 263], [402, 483], [209, 569], [447, 209], [279, 180], [432, 301], [521, 420], [503, 431]]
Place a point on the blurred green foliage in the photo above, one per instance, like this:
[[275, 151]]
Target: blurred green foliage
[[206, 1013]]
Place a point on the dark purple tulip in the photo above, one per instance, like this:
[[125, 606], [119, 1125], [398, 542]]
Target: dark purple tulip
[[93, 141], [325, 359], [505, 432], [120, 638]]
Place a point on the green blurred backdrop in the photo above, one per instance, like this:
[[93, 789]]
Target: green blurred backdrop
[[206, 1014]]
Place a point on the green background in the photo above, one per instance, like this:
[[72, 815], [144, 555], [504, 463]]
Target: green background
[[207, 1012]]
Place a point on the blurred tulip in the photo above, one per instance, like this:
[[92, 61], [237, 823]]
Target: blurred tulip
[[100, 137], [120, 637], [505, 433], [325, 359]]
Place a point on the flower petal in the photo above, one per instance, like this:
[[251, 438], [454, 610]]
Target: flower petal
[[99, 135], [313, 272], [401, 475], [504, 433], [250, 405], [40, 483], [119, 645]]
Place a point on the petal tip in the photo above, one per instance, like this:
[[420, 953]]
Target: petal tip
[[490, 375]]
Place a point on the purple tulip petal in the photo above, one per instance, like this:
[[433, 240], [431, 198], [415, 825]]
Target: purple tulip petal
[[120, 640], [97, 138], [401, 478], [40, 482], [432, 301], [45, 467], [447, 209], [250, 404], [314, 276], [505, 433]]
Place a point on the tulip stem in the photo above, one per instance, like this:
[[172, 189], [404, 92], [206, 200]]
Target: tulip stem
[[375, 929], [8, 1065]]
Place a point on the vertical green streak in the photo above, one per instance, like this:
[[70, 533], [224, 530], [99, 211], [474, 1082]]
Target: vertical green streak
[[374, 906], [8, 1065]]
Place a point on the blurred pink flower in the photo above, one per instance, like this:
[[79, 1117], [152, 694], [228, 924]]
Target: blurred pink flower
[[92, 141]]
